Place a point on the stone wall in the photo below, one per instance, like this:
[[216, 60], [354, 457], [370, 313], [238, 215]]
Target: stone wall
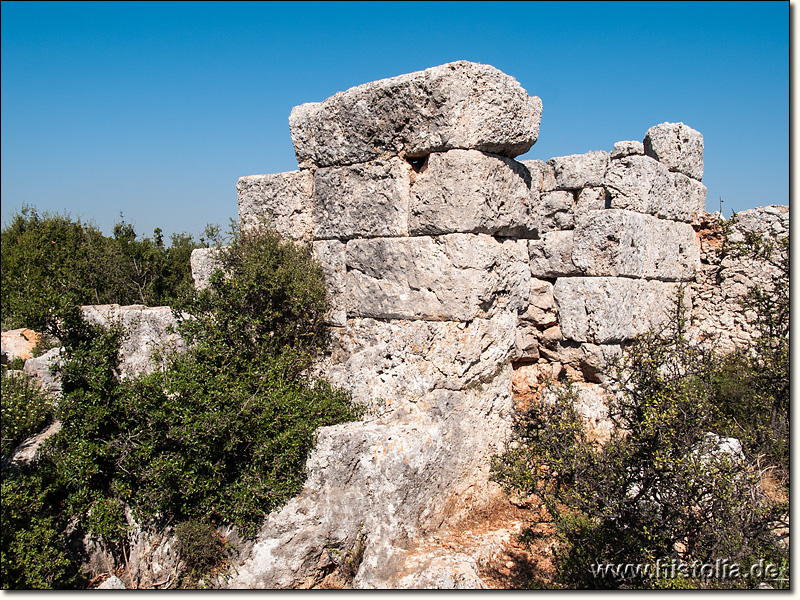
[[456, 275]]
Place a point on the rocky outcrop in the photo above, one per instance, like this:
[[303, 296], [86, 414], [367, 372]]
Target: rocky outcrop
[[18, 344]]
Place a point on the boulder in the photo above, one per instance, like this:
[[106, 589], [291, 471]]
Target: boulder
[[622, 243], [44, 368], [364, 200], [458, 105], [469, 191], [580, 170], [18, 344], [642, 184], [282, 201], [677, 146]]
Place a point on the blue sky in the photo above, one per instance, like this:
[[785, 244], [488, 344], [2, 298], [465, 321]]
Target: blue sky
[[154, 110]]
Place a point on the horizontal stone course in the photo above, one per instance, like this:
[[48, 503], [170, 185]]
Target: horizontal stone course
[[471, 191], [455, 277], [365, 200], [458, 105], [608, 310], [642, 184]]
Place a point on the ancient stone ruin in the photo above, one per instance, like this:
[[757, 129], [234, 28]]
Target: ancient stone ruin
[[460, 277]]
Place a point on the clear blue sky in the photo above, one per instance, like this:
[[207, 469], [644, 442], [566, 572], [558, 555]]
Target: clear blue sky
[[156, 109]]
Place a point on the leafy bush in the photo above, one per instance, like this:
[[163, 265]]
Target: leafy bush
[[200, 546], [50, 262], [221, 435], [25, 409]]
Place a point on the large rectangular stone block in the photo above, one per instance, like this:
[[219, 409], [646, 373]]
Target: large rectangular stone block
[[331, 257], [603, 310], [551, 256], [677, 146], [365, 200], [456, 277], [629, 244], [642, 184], [577, 171], [468, 191], [282, 201], [458, 105]]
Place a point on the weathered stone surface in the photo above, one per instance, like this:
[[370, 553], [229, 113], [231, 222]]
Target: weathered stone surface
[[645, 185], [580, 170], [604, 310], [554, 211], [458, 105], [589, 198], [365, 200], [551, 256], [455, 277], [112, 583], [203, 264], [622, 243], [282, 201], [543, 175], [627, 148], [43, 368], [149, 329], [331, 257], [18, 343], [375, 487], [541, 309], [471, 192], [393, 365], [677, 146], [718, 316]]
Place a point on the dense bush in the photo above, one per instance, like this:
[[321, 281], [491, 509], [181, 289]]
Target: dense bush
[[50, 261], [25, 409], [222, 434], [662, 488]]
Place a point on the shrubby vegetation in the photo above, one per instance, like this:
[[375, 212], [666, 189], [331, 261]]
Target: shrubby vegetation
[[220, 436], [663, 488], [50, 262]]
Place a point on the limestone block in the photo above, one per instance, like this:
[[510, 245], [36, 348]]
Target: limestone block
[[203, 263], [471, 192], [589, 198], [607, 310], [677, 146], [330, 255], [543, 175], [580, 170], [458, 105], [365, 200], [642, 184], [555, 210], [393, 365], [627, 148], [282, 201], [551, 256], [541, 308], [622, 243], [452, 277]]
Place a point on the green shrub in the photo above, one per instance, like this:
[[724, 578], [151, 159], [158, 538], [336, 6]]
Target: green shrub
[[659, 489], [50, 262], [25, 410], [201, 548]]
